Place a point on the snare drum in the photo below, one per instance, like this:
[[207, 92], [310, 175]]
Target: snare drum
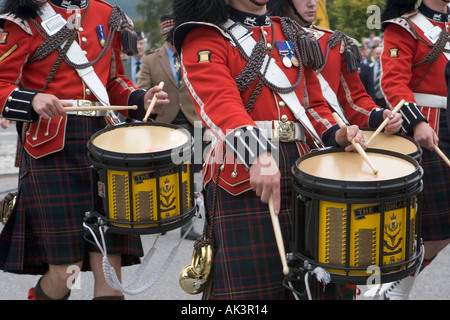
[[394, 142], [142, 180], [347, 219]]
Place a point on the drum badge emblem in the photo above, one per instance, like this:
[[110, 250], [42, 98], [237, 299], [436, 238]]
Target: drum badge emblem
[[392, 232], [167, 197]]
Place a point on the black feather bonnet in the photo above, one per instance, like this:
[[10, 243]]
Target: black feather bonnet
[[22, 9], [396, 8], [210, 11]]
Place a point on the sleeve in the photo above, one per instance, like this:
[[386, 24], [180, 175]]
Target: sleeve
[[15, 101], [358, 105], [397, 61], [145, 76], [121, 89], [318, 110]]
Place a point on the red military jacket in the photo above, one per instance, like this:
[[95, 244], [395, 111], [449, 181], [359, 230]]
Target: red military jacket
[[21, 77], [406, 76], [356, 103], [211, 62]]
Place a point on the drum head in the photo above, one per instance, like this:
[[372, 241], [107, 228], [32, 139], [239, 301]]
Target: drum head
[[350, 166], [393, 142], [140, 139], [136, 146]]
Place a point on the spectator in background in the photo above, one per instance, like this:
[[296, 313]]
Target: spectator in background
[[376, 42], [364, 53], [377, 71], [133, 64]]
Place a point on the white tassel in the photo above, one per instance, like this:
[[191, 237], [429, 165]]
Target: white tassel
[[322, 275]]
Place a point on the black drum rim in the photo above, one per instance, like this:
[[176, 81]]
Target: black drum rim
[[356, 187], [135, 161], [417, 155]]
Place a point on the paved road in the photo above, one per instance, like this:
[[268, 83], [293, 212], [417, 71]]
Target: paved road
[[433, 283]]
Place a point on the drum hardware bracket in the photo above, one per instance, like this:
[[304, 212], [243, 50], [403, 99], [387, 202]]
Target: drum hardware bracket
[[295, 280], [299, 275], [111, 278]]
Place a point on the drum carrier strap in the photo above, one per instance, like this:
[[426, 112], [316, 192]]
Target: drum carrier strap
[[261, 65]]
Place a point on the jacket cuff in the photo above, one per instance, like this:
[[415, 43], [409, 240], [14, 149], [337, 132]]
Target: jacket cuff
[[247, 143], [329, 136], [411, 116], [137, 98], [18, 106], [376, 118]]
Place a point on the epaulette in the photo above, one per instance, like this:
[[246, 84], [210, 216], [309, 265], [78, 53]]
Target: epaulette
[[182, 30], [402, 22], [316, 33], [23, 24], [323, 29]]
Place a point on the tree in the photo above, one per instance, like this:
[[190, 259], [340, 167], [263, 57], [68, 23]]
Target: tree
[[357, 18], [150, 11]]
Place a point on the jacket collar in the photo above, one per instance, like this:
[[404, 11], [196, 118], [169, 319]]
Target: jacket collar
[[70, 4], [248, 19], [434, 15]]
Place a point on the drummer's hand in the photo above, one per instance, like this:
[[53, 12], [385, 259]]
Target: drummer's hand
[[265, 180], [5, 123], [425, 135], [48, 106], [345, 135], [163, 99], [395, 122]]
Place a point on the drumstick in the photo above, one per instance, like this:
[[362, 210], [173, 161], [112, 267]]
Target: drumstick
[[385, 122], [442, 155], [100, 108], [355, 144], [152, 103], [278, 236]]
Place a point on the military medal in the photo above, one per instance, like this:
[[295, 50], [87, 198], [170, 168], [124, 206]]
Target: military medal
[[287, 62], [294, 59], [286, 51], [101, 35]]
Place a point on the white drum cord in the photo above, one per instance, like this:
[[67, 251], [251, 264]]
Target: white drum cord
[[416, 273], [321, 274], [109, 272]]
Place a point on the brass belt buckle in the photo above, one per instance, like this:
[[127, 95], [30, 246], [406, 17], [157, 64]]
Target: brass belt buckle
[[86, 103], [283, 130]]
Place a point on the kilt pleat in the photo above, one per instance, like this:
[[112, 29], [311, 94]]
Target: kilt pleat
[[46, 225], [436, 192], [247, 263]]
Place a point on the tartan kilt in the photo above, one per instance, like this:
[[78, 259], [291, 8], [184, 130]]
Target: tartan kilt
[[247, 263], [436, 192], [46, 225]]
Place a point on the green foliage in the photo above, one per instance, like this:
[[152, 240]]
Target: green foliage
[[356, 18], [151, 10], [145, 15]]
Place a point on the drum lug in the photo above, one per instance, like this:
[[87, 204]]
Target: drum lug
[[101, 222]]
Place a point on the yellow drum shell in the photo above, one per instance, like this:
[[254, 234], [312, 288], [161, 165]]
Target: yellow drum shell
[[142, 177], [353, 219]]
